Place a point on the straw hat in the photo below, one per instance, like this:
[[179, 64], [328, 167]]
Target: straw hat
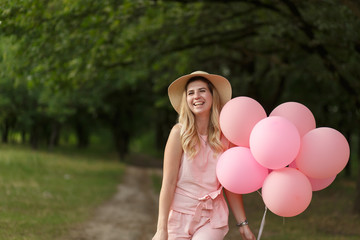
[[177, 87]]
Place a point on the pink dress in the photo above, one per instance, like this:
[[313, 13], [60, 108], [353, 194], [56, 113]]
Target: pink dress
[[198, 191]]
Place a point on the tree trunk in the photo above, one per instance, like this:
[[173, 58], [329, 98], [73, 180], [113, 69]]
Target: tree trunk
[[82, 135], [54, 135], [122, 142], [121, 131], [34, 137], [23, 137], [5, 132]]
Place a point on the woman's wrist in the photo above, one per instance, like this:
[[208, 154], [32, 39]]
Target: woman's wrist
[[162, 226], [243, 223]]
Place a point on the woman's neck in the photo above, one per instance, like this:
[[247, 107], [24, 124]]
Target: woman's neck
[[202, 123]]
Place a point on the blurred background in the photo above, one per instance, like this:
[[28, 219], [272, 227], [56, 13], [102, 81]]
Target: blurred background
[[85, 82]]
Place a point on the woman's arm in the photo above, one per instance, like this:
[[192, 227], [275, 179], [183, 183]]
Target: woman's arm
[[237, 206], [172, 158]]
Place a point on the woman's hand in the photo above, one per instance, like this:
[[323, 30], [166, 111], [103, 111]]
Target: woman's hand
[[246, 233], [160, 235]]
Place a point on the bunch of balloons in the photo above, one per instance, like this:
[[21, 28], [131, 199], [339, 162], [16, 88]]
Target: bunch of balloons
[[283, 153]]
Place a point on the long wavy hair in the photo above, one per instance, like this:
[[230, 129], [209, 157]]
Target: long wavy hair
[[190, 139]]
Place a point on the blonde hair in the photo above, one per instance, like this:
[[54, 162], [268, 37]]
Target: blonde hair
[[189, 135]]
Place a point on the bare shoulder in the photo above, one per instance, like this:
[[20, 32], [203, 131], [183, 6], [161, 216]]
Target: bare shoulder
[[174, 140], [176, 129], [174, 136], [173, 149], [172, 155]]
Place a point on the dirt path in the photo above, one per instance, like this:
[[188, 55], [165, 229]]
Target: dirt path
[[129, 215]]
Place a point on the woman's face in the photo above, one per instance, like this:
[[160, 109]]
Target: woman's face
[[199, 97]]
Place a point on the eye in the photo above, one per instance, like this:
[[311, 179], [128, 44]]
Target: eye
[[190, 93]]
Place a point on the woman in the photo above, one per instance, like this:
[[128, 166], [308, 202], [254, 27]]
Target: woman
[[191, 203]]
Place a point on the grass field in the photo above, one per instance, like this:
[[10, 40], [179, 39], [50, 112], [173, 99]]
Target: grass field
[[42, 193]]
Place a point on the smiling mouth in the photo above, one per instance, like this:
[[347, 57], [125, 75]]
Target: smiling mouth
[[198, 103]]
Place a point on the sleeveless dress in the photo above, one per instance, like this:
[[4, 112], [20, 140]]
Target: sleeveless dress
[[198, 191]]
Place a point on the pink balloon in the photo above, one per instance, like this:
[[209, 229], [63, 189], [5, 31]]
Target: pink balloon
[[274, 142], [324, 153], [319, 184], [238, 117], [298, 114], [293, 164], [238, 171], [287, 192]]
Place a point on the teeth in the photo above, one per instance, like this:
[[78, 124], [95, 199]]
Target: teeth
[[198, 103]]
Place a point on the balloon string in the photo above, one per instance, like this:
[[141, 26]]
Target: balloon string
[[262, 225]]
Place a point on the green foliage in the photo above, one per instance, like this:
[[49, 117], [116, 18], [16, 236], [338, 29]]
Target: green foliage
[[110, 62]]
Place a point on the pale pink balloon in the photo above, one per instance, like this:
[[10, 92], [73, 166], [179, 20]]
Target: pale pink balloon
[[319, 184], [238, 171], [274, 142], [238, 117], [324, 153], [298, 114], [287, 192]]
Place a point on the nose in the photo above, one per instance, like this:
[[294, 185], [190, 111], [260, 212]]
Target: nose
[[197, 95]]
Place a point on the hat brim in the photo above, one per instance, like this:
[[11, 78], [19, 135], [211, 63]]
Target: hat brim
[[176, 88]]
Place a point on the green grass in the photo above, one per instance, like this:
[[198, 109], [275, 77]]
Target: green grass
[[43, 193], [330, 216]]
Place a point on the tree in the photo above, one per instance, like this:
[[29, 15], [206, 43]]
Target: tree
[[110, 62]]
